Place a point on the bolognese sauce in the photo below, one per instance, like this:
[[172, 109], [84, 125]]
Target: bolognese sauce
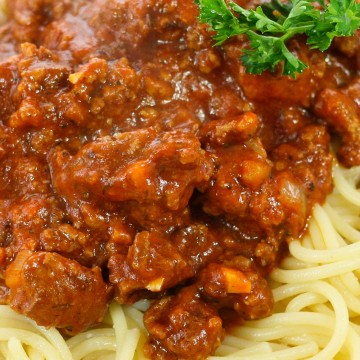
[[138, 161]]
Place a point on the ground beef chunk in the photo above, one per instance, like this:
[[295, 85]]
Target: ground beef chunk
[[341, 112], [236, 285], [299, 90], [248, 185], [9, 76], [152, 263], [348, 45], [102, 92], [198, 245], [74, 244], [31, 17], [182, 327], [139, 168], [26, 220], [47, 287]]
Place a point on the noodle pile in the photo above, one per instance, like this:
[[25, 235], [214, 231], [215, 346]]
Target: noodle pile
[[121, 337], [316, 291]]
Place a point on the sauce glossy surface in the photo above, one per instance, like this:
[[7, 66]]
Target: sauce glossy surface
[[139, 161]]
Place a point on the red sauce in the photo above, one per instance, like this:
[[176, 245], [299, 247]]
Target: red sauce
[[139, 161]]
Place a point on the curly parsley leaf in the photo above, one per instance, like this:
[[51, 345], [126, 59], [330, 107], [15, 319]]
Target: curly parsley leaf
[[270, 25], [220, 19], [341, 18]]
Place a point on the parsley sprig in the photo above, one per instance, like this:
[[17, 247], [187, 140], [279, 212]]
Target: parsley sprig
[[272, 24]]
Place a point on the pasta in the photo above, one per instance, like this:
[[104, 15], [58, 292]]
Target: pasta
[[316, 291], [119, 338]]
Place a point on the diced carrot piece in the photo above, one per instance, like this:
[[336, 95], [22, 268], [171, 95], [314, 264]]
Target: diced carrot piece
[[236, 281]]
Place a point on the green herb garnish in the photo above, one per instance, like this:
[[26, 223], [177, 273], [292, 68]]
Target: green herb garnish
[[272, 24]]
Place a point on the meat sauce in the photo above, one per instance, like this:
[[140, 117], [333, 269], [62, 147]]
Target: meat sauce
[[139, 161]]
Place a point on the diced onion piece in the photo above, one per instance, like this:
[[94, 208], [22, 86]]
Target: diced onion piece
[[155, 285], [13, 272]]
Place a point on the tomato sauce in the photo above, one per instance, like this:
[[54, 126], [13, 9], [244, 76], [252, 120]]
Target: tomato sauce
[[138, 161]]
